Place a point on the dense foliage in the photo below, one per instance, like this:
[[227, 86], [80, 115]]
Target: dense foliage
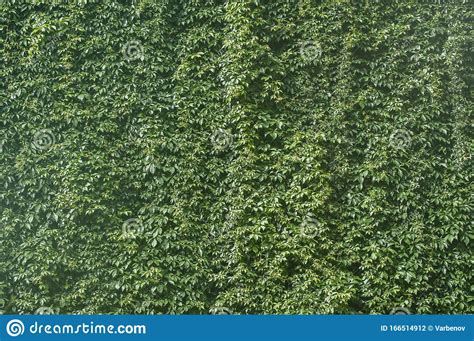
[[174, 156]]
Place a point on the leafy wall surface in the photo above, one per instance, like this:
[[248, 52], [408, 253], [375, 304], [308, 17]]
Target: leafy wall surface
[[251, 156]]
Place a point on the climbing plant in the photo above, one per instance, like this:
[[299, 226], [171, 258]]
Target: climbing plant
[[241, 156]]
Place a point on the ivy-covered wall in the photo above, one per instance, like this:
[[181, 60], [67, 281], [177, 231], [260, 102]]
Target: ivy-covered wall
[[252, 156]]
